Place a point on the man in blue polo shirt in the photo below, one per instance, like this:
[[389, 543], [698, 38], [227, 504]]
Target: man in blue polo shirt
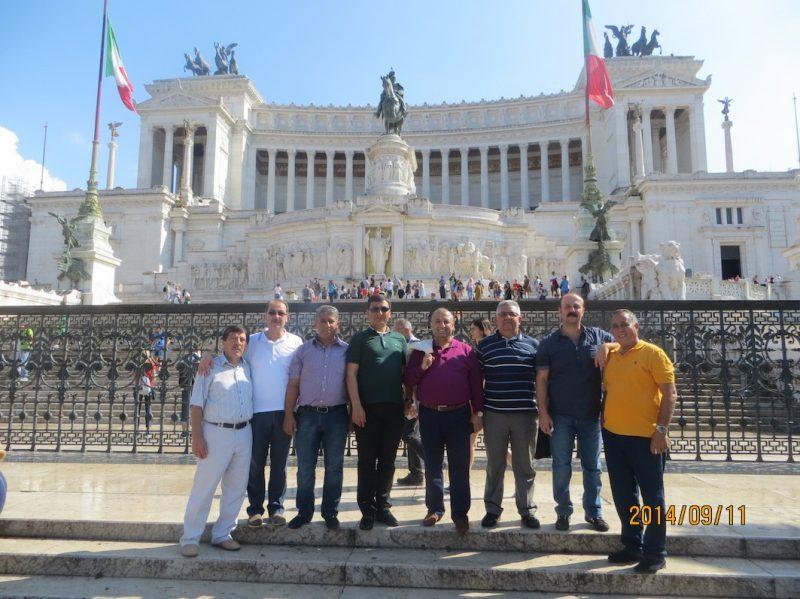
[[568, 387], [508, 359]]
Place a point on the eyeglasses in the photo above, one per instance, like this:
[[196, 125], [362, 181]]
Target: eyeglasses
[[376, 309], [277, 313]]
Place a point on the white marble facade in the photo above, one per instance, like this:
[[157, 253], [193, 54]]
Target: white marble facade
[[280, 194]]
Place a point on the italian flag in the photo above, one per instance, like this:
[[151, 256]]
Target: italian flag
[[115, 68], [598, 83]]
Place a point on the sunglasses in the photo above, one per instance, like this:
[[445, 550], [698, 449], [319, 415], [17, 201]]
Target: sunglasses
[[377, 309], [277, 313]]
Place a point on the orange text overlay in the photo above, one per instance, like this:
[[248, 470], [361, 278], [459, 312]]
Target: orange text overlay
[[693, 515]]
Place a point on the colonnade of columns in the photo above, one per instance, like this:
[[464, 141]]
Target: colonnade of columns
[[435, 169], [161, 159], [666, 147]]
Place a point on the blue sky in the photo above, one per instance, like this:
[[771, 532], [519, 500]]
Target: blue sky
[[307, 51]]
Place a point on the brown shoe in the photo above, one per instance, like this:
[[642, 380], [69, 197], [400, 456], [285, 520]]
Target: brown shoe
[[431, 519], [462, 525]]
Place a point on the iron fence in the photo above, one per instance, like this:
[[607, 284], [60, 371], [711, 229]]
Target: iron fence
[[76, 383]]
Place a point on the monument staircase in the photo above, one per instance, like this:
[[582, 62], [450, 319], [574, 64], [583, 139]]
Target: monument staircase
[[80, 558]]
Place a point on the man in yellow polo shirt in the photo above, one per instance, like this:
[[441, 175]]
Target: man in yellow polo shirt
[[640, 397]]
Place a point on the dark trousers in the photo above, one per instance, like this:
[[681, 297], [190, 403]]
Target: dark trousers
[[413, 446], [378, 441], [268, 438], [314, 430], [632, 470], [450, 431]]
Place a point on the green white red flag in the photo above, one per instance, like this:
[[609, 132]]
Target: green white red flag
[[115, 68], [598, 83]]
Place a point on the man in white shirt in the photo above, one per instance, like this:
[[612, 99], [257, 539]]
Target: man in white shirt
[[221, 407], [270, 354]]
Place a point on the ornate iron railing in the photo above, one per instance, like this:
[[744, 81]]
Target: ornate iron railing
[[75, 384]]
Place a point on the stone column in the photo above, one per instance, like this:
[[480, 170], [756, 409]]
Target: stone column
[[348, 176], [235, 165], [464, 176], [698, 126], [446, 176], [272, 156], [633, 237], [672, 149], [524, 201], [623, 153], [504, 176], [169, 141], [329, 155], [210, 161], [186, 167], [310, 159], [647, 140], [112, 157], [638, 150], [726, 126], [290, 180], [545, 170], [565, 193], [426, 174], [178, 220], [144, 180], [484, 176]]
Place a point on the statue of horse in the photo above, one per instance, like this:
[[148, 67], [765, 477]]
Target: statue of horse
[[201, 66], [621, 33], [641, 43], [391, 108], [652, 44], [189, 66]]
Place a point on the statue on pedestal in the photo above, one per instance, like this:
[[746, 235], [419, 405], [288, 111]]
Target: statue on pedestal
[[621, 33], [72, 269], [392, 105], [377, 248]]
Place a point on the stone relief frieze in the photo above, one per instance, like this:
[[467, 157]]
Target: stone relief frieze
[[660, 80], [230, 275]]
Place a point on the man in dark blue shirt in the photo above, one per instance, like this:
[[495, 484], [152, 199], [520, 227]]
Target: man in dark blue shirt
[[568, 389], [508, 359]]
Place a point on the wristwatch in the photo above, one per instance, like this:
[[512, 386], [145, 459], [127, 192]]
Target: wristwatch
[[662, 429]]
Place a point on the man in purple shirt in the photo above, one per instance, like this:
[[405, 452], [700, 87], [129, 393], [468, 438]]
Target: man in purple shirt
[[450, 394], [316, 414]]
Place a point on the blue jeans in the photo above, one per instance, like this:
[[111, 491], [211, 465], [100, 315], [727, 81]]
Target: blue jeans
[[268, 438], [328, 429], [633, 469], [450, 430], [562, 443]]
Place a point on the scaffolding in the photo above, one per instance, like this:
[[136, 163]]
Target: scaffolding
[[15, 228]]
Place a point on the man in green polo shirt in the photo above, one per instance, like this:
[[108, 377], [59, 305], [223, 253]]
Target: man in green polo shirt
[[375, 361]]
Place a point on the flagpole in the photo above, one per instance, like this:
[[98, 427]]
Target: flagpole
[[91, 206], [44, 153], [586, 94]]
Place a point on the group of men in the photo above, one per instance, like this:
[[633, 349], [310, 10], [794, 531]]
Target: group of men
[[248, 403]]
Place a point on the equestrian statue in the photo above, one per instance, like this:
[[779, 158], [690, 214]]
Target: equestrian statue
[[392, 105]]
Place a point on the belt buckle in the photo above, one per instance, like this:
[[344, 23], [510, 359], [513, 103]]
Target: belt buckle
[[442, 408], [322, 409]]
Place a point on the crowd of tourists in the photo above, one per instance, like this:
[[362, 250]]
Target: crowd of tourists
[[453, 288], [264, 389], [175, 293]]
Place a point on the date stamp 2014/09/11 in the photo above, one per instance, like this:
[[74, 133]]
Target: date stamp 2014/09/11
[[694, 515]]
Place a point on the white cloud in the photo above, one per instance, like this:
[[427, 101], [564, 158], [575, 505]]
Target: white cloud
[[14, 166]]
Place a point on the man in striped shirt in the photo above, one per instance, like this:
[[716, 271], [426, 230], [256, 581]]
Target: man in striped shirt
[[508, 359]]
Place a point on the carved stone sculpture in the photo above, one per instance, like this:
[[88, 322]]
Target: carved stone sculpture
[[377, 248], [663, 276]]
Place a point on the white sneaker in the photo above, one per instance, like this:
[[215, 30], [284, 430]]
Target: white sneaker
[[190, 550]]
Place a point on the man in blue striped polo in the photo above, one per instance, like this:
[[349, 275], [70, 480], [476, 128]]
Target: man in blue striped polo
[[508, 360]]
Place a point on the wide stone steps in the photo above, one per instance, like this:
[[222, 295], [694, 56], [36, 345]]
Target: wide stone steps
[[441, 537], [391, 567]]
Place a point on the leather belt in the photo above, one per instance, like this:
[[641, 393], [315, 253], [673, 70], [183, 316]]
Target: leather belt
[[233, 425], [446, 407], [322, 409]]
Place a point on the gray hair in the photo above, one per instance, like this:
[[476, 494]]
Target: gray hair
[[403, 323], [631, 317], [510, 304], [326, 310]]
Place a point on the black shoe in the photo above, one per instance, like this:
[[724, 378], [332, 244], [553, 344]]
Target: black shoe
[[386, 517], [562, 523], [597, 523], [624, 556], [297, 522], [530, 522], [332, 523], [490, 520], [367, 522], [650, 565], [410, 480]]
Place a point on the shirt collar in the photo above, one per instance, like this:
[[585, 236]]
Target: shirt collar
[[561, 331], [337, 341]]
